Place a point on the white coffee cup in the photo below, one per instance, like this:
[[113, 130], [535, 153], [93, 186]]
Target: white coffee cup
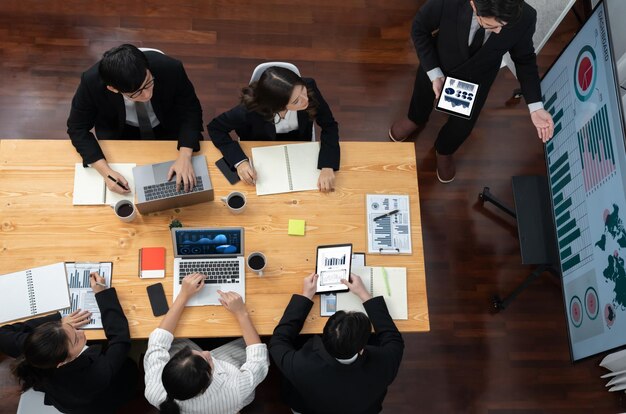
[[125, 210], [235, 201], [256, 262]]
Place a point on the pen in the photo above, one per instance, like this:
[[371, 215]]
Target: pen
[[117, 182], [386, 279], [101, 284], [391, 213]]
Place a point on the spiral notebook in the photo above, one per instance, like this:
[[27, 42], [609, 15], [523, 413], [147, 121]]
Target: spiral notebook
[[33, 292], [286, 168]]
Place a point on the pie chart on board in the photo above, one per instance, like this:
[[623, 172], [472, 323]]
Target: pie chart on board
[[585, 73], [591, 303], [576, 311]]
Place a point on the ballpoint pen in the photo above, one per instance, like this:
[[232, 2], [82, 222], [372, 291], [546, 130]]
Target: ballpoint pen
[[391, 213], [117, 182]]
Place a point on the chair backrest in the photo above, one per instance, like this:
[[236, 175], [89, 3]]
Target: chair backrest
[[258, 71], [31, 402], [149, 49]]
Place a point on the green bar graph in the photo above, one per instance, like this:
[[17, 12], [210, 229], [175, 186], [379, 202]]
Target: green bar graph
[[562, 159], [566, 253], [562, 231], [561, 208], [562, 219], [570, 263], [550, 101], [558, 199], [569, 238], [559, 174], [557, 129], [558, 116], [562, 183]]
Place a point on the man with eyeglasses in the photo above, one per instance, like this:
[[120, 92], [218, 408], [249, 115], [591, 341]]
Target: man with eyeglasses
[[466, 39], [130, 94]]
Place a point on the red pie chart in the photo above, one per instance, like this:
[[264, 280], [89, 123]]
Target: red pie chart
[[585, 73], [576, 311], [591, 303]]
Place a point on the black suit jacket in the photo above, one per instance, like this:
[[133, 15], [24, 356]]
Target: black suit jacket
[[449, 49], [251, 126], [99, 380], [322, 384], [174, 102]]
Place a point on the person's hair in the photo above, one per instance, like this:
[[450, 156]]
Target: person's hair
[[272, 93], [504, 11], [124, 67], [346, 333], [184, 376], [43, 350]]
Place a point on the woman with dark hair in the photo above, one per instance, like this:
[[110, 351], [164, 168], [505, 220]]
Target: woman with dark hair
[[280, 106], [53, 357], [182, 378]]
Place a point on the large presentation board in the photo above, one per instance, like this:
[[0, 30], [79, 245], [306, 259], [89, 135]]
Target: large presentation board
[[586, 162]]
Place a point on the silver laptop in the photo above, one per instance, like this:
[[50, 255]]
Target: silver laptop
[[217, 253], [155, 193]]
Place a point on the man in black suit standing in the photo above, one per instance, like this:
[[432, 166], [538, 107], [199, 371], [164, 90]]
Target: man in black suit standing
[[466, 39], [338, 372], [131, 94]]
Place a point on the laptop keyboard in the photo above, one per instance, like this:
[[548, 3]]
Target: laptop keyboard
[[216, 271], [168, 189]]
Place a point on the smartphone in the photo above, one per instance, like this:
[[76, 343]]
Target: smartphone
[[158, 301], [229, 172]]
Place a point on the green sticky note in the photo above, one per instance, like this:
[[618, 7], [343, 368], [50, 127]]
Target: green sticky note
[[296, 227]]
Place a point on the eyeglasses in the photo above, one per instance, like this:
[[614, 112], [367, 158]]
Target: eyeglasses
[[139, 91]]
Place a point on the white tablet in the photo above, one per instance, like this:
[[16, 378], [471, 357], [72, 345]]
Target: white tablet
[[333, 263], [457, 97]]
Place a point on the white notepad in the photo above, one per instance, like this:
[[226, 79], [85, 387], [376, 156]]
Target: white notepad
[[81, 295], [388, 282], [33, 292], [286, 168], [90, 188]]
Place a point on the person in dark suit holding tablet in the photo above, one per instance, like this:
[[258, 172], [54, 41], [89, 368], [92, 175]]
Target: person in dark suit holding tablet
[[466, 39], [280, 106], [340, 371], [131, 94], [53, 357]]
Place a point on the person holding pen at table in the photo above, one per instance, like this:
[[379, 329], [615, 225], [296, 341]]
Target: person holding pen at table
[[182, 378], [280, 106], [130, 94], [53, 357]]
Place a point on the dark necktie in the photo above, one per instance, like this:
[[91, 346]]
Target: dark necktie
[[477, 42], [145, 127]]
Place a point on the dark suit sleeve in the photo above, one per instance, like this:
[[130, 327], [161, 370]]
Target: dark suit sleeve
[[12, 336], [329, 137], [116, 330], [282, 344], [425, 22], [82, 118], [525, 59], [389, 337], [189, 112], [220, 128]]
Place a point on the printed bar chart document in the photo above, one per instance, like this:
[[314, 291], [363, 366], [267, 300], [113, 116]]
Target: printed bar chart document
[[388, 224], [33, 292], [90, 188], [286, 168], [81, 295]]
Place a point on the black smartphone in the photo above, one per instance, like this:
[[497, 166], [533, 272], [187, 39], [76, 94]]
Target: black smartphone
[[229, 172], [158, 301]]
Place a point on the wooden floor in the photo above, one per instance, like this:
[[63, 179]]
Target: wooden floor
[[473, 361]]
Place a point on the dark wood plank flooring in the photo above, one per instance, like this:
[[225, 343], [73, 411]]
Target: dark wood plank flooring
[[359, 51]]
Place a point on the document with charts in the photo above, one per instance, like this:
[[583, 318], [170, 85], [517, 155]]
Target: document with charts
[[388, 282], [81, 295], [286, 168], [90, 188], [388, 224]]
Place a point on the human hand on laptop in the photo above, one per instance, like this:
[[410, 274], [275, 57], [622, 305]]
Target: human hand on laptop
[[233, 302], [357, 287], [183, 169], [191, 285]]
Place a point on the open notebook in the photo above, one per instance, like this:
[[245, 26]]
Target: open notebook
[[33, 292], [90, 188], [286, 168], [388, 282]]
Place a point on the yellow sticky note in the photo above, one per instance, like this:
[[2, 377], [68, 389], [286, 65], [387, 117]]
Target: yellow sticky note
[[296, 227]]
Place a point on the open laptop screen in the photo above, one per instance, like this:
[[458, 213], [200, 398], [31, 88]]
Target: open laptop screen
[[207, 242]]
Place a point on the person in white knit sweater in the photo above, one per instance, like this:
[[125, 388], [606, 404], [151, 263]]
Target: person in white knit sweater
[[182, 378]]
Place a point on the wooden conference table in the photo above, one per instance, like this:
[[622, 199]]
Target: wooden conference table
[[39, 225]]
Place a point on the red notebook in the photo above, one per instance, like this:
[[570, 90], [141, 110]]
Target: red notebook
[[151, 262]]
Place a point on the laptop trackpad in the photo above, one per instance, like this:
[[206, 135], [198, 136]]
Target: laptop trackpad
[[160, 171], [207, 296]]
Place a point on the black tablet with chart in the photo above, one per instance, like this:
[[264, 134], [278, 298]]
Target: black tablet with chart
[[333, 263], [457, 97]]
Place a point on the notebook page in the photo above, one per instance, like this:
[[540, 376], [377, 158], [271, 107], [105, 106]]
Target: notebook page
[[14, 297], [50, 286], [88, 186], [303, 165], [393, 289], [126, 169], [271, 169]]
